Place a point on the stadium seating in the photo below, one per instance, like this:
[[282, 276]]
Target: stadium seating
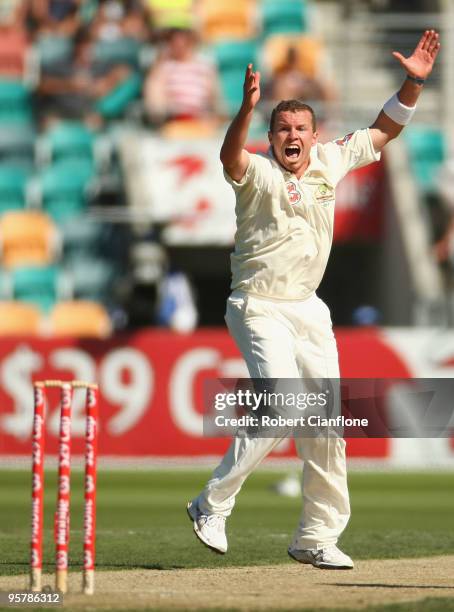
[[18, 318], [17, 145], [91, 278], [79, 318], [232, 57], [309, 50], [38, 285], [81, 237], [225, 19], [27, 238], [283, 16], [171, 13], [119, 51], [15, 103], [427, 150], [189, 129], [13, 182], [52, 48], [62, 189], [114, 104], [67, 141]]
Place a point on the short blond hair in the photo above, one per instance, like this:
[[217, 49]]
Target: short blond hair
[[292, 106]]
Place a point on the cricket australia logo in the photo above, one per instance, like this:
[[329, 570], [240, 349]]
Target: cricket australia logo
[[294, 194], [324, 195]]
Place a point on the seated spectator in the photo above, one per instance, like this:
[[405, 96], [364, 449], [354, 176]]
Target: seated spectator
[[289, 82], [73, 90], [181, 84], [176, 308], [155, 293], [118, 19], [56, 17], [13, 13]]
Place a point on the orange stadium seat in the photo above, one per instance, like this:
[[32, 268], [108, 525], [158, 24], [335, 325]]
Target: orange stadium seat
[[227, 19], [188, 129], [309, 51], [80, 318], [18, 318], [27, 237]]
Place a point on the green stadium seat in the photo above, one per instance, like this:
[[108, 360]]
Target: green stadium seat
[[15, 103], [427, 149], [115, 103], [17, 145], [283, 16], [52, 48], [121, 51], [36, 285], [64, 189], [91, 278], [13, 182], [67, 141], [81, 237], [232, 57]]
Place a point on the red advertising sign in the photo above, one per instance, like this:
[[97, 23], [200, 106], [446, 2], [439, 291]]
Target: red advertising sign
[[151, 386], [359, 205]]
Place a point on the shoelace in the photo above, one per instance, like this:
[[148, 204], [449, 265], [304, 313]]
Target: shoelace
[[328, 550], [213, 520]]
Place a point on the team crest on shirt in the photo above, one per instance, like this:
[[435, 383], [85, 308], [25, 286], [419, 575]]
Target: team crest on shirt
[[294, 194], [324, 194], [343, 141]]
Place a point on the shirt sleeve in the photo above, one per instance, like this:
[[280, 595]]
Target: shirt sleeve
[[256, 179], [352, 151]]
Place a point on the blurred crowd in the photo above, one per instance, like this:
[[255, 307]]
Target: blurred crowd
[[73, 71], [89, 59], [73, 74]]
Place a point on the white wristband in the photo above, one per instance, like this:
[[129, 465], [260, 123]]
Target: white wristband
[[397, 111]]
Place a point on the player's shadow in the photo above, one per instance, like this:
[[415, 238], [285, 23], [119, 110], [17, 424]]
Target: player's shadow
[[381, 585]]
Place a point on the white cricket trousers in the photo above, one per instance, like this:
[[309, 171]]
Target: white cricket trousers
[[286, 340]]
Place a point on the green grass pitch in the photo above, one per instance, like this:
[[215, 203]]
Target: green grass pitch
[[142, 522]]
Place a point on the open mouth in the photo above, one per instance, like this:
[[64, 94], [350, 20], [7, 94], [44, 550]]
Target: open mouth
[[292, 152]]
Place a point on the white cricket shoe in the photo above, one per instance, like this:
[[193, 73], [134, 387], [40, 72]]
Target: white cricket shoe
[[209, 528], [329, 557]]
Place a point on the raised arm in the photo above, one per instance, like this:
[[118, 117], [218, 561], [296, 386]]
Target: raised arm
[[234, 157], [399, 109]]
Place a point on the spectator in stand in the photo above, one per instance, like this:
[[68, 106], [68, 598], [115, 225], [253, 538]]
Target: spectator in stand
[[13, 13], [157, 294], [181, 84], [118, 19], [72, 90], [290, 83], [56, 17], [297, 75]]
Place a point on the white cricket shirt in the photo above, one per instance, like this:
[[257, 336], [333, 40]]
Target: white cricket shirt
[[285, 225]]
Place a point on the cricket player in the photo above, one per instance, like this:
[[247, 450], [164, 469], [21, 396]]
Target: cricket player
[[285, 213]]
